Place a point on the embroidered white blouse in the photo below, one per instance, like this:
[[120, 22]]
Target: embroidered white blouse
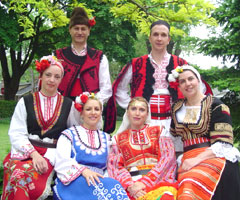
[[21, 148], [160, 87], [67, 168]]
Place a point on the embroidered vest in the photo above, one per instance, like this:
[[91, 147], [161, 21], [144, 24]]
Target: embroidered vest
[[131, 154], [87, 66], [214, 122], [143, 80], [58, 120]]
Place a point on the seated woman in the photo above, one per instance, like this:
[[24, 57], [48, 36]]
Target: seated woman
[[142, 157], [35, 126], [209, 167], [81, 158]]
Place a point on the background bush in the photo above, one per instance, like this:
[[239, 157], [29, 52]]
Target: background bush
[[6, 108]]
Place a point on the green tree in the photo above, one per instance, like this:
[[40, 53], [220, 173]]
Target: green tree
[[30, 29], [226, 45], [181, 14], [22, 23]]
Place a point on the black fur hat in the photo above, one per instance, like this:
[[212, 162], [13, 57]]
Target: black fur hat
[[79, 16]]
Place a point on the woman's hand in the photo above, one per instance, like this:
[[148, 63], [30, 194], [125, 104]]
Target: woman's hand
[[189, 163], [91, 177], [139, 194], [136, 190], [192, 162], [39, 163]]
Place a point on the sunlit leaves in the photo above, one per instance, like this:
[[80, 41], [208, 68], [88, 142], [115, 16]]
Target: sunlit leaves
[[143, 13], [51, 13]]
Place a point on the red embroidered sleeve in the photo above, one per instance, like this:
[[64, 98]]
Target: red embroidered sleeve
[[116, 168]]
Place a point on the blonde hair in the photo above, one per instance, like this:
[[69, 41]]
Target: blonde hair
[[94, 98], [141, 99]]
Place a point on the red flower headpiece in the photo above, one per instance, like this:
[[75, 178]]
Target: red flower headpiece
[[92, 22], [42, 65], [46, 61], [82, 99]]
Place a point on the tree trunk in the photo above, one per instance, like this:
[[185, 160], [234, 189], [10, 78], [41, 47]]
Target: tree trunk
[[170, 47], [178, 52], [149, 48], [11, 88]]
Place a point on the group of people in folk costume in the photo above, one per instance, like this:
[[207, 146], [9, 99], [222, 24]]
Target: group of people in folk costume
[[170, 113]]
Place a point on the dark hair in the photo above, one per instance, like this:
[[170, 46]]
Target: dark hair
[[79, 16], [184, 70], [160, 22]]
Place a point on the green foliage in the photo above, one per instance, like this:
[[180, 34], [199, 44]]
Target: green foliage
[[225, 44], [8, 22], [37, 28], [235, 110], [48, 11], [143, 12], [140, 45], [6, 108], [112, 35], [223, 78], [227, 79]]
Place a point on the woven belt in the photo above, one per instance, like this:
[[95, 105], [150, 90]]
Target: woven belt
[[194, 146], [160, 114], [43, 144], [140, 172]]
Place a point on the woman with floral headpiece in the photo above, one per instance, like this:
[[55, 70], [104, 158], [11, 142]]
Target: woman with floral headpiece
[[209, 166], [81, 160], [36, 124], [85, 68]]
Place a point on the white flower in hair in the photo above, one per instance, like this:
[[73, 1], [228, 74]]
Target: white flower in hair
[[174, 74], [171, 78], [82, 99], [78, 100]]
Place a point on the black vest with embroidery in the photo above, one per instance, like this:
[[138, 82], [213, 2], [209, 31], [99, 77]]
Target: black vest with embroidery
[[33, 125]]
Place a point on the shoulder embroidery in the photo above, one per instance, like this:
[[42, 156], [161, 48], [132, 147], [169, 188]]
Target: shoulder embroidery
[[225, 109], [223, 127]]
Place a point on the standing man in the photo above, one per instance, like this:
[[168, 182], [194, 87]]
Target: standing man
[[85, 68], [148, 77]]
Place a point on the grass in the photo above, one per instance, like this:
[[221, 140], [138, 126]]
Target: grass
[[4, 139]]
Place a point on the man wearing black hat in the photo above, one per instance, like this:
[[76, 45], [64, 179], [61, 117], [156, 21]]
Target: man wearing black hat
[[85, 68]]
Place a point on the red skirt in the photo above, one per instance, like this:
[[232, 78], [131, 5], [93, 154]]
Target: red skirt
[[201, 181], [22, 182]]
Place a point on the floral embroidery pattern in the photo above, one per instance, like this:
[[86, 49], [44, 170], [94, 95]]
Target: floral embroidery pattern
[[24, 152], [20, 178]]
